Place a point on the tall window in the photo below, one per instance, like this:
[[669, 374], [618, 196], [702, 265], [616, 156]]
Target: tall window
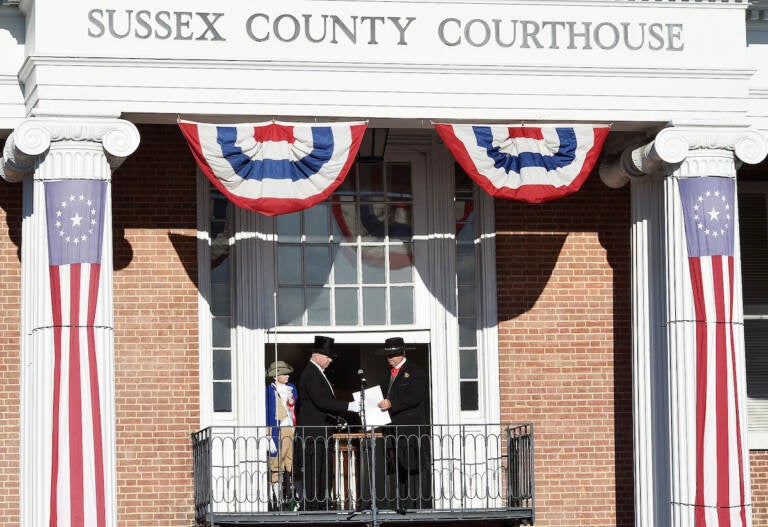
[[753, 219], [466, 288], [220, 304], [349, 260]]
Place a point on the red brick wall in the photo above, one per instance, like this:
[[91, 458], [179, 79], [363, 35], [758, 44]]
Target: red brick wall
[[564, 311], [10, 306], [759, 467], [156, 346], [156, 349], [565, 349]]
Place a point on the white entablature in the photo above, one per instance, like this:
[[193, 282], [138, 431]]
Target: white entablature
[[613, 61]]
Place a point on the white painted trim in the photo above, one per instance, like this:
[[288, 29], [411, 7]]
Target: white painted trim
[[488, 338], [247, 364], [444, 350], [204, 330], [33, 62]]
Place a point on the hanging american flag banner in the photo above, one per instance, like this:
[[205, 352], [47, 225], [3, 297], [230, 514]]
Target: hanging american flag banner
[[531, 164], [274, 168], [74, 216], [709, 212]]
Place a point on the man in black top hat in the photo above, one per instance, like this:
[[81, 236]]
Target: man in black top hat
[[318, 409], [407, 442]]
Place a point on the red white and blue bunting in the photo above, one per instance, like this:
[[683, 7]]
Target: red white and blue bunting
[[275, 168], [532, 164]]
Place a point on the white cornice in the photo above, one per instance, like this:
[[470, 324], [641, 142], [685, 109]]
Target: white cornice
[[383, 67], [705, 4]]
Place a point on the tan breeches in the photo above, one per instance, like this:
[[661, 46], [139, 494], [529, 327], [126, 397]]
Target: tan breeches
[[283, 461]]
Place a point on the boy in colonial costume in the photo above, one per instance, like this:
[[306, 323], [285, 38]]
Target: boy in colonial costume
[[282, 398]]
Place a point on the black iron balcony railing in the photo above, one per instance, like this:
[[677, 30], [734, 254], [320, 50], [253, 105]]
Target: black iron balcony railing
[[254, 475]]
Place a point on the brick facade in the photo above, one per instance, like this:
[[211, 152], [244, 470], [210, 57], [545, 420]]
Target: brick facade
[[156, 340], [565, 349], [10, 362], [564, 344]]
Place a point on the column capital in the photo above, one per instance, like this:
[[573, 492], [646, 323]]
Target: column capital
[[673, 145], [29, 142]]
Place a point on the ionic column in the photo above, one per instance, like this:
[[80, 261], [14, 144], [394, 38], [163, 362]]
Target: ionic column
[[67, 341], [691, 453]]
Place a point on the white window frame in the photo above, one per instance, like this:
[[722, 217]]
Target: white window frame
[[435, 322], [205, 327]]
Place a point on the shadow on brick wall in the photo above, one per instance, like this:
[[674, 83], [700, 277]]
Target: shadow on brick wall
[[10, 203]]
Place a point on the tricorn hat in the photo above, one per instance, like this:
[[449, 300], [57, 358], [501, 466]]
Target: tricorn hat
[[324, 346], [394, 346], [279, 368]]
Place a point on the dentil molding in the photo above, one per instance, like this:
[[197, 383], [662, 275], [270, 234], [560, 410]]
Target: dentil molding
[[675, 144], [33, 138]]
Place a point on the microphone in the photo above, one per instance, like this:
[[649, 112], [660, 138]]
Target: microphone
[[361, 374]]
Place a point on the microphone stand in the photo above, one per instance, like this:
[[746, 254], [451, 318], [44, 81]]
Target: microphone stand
[[369, 449]]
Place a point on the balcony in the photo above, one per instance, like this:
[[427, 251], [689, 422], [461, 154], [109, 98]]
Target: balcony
[[416, 473]]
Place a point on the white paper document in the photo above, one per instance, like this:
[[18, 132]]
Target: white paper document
[[374, 416]]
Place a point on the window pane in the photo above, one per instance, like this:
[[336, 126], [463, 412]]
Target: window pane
[[220, 270], [399, 181], [345, 265], [374, 306], [346, 307], [345, 225], [462, 182], [289, 264], [401, 300], [348, 185], [373, 218], [400, 222], [468, 364], [219, 245], [220, 299], [289, 227], [467, 301], [371, 179], [400, 263], [371, 213], [317, 266], [465, 263], [756, 351], [222, 369], [219, 205], [290, 306], [462, 212], [222, 397], [316, 223], [469, 399], [221, 331], [467, 332], [318, 306], [373, 265], [753, 232]]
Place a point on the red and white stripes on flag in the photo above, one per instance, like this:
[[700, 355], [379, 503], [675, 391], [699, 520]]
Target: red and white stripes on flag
[[710, 219], [74, 215], [77, 479]]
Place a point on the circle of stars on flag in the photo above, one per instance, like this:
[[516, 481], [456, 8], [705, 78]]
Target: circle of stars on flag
[[712, 213], [76, 219]]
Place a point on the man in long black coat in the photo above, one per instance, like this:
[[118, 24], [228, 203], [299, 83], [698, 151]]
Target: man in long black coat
[[408, 437], [318, 409]]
